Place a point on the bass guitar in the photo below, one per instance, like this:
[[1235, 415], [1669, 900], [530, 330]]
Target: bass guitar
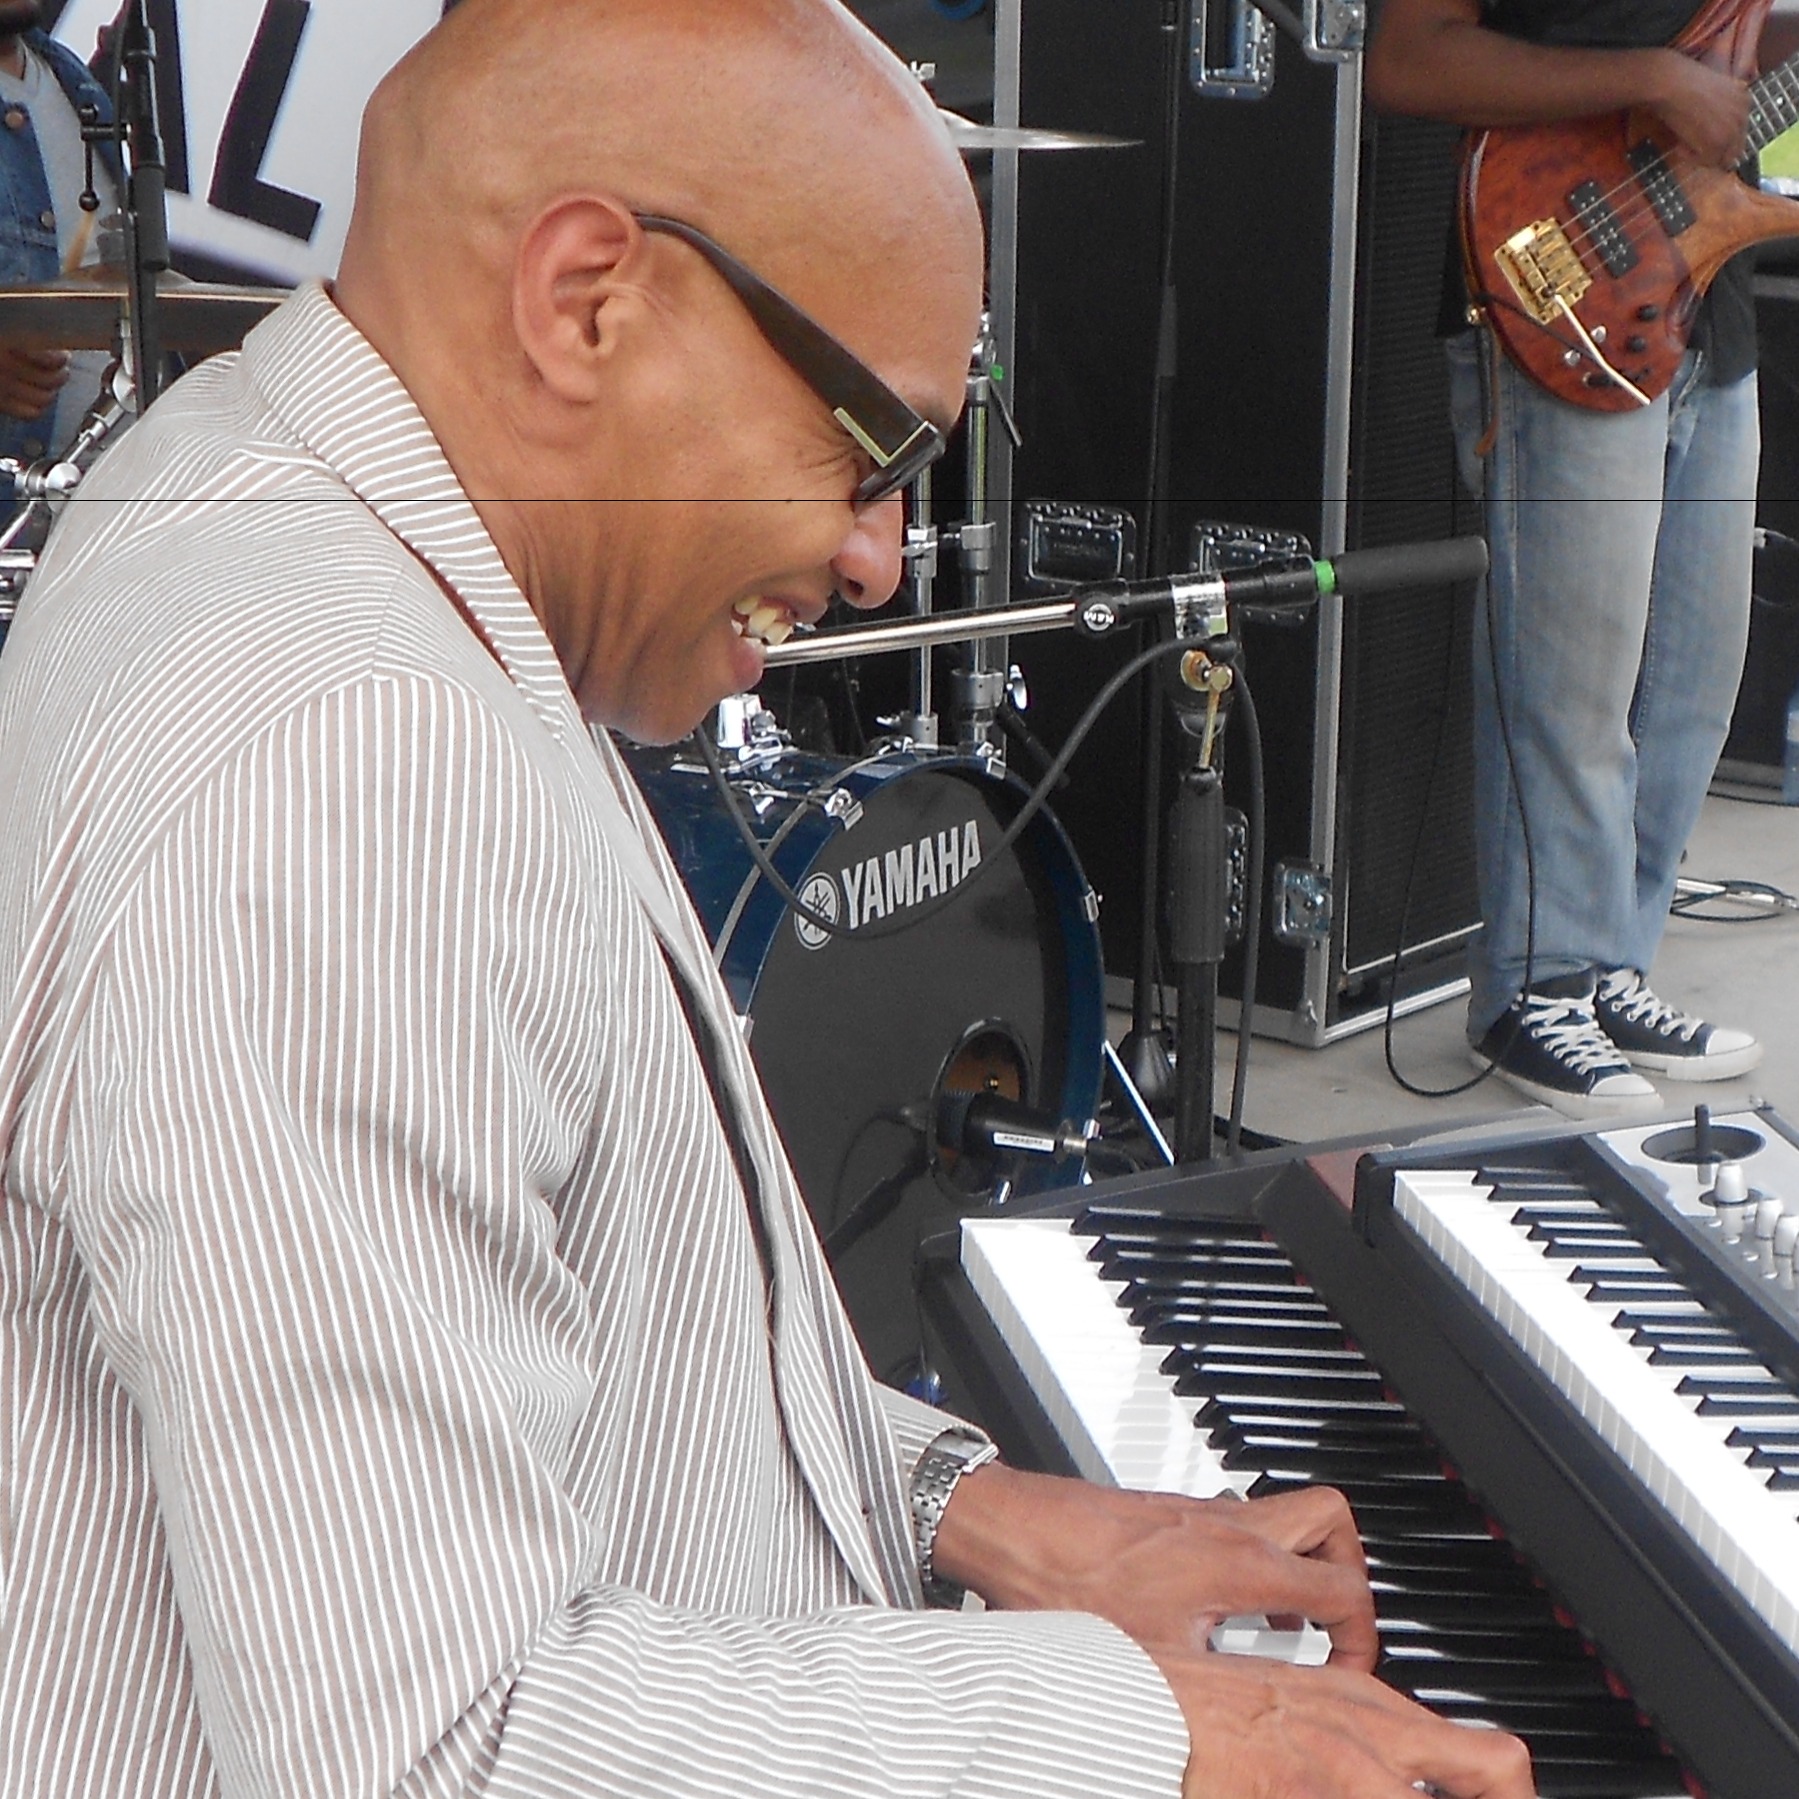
[[1588, 243]]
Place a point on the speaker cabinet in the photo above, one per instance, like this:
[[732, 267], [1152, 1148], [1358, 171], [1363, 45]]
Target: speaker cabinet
[[1309, 396]]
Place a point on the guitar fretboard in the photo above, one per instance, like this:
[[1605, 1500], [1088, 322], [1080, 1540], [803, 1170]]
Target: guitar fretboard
[[1774, 104]]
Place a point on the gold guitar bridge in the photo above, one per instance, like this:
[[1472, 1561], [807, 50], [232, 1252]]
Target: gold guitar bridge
[[1543, 269]]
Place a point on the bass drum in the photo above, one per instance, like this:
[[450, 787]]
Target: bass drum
[[858, 1038]]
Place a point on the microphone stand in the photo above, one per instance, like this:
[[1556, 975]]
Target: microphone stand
[[1141, 1051], [139, 129]]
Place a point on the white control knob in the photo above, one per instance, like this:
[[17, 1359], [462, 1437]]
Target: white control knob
[[1768, 1214], [1786, 1240], [1730, 1194]]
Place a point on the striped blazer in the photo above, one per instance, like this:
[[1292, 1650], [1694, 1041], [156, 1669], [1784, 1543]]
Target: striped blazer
[[399, 1390]]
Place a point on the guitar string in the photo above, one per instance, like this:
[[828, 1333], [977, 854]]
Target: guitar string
[[1589, 218]]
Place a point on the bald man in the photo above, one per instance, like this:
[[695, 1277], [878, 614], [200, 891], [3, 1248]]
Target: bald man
[[421, 1374]]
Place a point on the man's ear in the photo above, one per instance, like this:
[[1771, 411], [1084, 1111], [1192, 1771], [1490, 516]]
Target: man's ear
[[567, 295]]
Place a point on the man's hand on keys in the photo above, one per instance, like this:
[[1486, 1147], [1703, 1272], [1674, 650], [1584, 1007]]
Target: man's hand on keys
[[1264, 1730], [1167, 1570]]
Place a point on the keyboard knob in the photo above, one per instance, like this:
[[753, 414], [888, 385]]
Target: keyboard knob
[[1768, 1214], [1786, 1240], [1730, 1194]]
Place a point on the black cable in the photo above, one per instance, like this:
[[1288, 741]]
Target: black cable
[[1503, 715], [1034, 803], [1252, 910], [1486, 350], [1768, 902]]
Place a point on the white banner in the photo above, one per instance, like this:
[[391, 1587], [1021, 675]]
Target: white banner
[[270, 103]]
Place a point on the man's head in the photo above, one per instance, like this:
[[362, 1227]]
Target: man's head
[[19, 15], [650, 463]]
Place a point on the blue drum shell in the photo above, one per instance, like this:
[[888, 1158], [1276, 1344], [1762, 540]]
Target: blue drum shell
[[846, 1031]]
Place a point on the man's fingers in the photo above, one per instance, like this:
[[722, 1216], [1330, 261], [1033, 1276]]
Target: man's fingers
[[1328, 1571], [1468, 1763], [1314, 1521], [1262, 1728]]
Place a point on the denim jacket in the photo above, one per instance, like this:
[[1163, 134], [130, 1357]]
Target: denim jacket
[[27, 221]]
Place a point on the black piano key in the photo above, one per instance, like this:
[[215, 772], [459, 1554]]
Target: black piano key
[[1763, 1457], [1761, 1385], [1686, 1354], [1745, 1405], [1412, 1668], [1210, 1381], [1272, 1352], [1606, 1290], [1387, 1503], [1412, 1455], [1244, 1332], [1748, 1436], [1467, 1562], [1566, 1212], [1521, 1180], [1678, 1330], [1240, 1275], [1608, 1781], [1576, 1249]]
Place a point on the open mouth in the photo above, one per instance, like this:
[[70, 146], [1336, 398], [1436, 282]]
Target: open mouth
[[762, 620]]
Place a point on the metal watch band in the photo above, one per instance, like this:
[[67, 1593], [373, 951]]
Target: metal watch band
[[933, 1481]]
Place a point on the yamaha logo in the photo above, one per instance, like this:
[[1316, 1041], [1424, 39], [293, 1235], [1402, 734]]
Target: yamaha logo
[[818, 895], [893, 881]]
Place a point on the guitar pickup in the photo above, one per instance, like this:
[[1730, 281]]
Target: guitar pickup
[[1543, 269], [1661, 187], [1605, 234]]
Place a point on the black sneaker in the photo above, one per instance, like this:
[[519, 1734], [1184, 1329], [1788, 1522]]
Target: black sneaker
[[1655, 1035], [1548, 1044]]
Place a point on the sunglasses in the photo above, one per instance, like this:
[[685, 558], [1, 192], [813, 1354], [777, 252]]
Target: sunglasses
[[896, 439]]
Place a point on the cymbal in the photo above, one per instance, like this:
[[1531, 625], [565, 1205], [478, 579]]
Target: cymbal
[[198, 318], [967, 136]]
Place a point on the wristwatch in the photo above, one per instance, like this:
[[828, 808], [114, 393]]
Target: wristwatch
[[933, 1481]]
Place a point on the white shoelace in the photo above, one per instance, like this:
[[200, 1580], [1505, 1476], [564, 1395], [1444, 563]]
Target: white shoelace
[[1637, 1001], [1569, 1030]]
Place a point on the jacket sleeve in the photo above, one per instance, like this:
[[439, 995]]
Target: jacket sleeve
[[327, 1098]]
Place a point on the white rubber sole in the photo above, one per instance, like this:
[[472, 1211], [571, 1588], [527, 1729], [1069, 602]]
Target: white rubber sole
[[1725, 1066], [1581, 1106]]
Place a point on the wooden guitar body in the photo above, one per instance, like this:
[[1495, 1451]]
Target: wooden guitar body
[[1612, 220]]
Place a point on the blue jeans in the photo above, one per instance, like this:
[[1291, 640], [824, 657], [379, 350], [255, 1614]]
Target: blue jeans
[[1607, 652]]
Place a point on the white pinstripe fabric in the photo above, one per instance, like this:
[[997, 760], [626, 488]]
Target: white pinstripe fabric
[[391, 1395]]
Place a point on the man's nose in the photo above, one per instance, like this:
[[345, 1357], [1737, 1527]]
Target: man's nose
[[869, 565]]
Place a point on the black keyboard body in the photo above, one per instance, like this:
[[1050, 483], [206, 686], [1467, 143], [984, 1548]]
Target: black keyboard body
[[1599, 1593]]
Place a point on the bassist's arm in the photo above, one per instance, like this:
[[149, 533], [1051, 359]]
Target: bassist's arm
[[1436, 59]]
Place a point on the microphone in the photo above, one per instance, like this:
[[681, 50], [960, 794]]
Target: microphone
[[1199, 604], [1199, 601], [989, 1126]]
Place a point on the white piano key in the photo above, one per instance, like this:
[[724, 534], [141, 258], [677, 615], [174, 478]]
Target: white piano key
[[1103, 1389], [1743, 1529]]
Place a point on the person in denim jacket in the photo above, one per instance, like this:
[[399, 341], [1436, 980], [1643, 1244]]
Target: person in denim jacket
[[44, 233]]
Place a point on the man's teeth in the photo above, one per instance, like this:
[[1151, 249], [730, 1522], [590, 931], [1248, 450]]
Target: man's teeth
[[766, 623]]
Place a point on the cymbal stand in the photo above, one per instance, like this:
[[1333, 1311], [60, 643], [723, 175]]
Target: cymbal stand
[[138, 132], [922, 546], [978, 683], [43, 485]]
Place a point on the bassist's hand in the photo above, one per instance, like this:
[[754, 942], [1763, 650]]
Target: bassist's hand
[[1708, 111]]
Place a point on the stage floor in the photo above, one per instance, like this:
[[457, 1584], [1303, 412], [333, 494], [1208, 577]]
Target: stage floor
[[1745, 975]]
